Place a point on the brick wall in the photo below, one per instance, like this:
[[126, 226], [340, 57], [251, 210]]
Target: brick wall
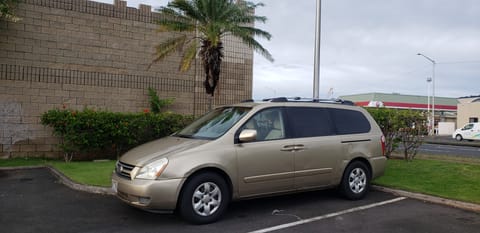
[[78, 54]]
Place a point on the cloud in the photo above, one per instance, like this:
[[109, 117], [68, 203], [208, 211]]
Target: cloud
[[367, 46], [371, 46]]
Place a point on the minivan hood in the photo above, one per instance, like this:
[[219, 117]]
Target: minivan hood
[[163, 147]]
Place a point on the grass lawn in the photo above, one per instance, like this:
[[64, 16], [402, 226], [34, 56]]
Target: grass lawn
[[446, 179], [89, 173]]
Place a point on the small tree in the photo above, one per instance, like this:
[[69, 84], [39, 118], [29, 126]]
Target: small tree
[[411, 134], [387, 120], [405, 127]]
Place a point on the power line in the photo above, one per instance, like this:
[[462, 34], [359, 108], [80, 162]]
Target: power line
[[438, 63], [460, 62]]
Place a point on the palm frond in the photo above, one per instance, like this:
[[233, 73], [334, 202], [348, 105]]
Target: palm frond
[[222, 12], [167, 25], [172, 14], [255, 45], [244, 31], [187, 8], [247, 19], [169, 46], [189, 56], [252, 5]]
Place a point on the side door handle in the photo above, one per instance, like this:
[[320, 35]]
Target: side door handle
[[299, 147], [288, 148], [293, 148]]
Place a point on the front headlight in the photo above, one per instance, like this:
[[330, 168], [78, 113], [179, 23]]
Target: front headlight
[[152, 170]]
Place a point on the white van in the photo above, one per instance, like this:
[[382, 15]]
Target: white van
[[470, 131]]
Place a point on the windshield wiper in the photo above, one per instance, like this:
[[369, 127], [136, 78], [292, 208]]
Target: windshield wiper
[[183, 136]]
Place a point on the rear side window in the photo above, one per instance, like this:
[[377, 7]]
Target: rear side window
[[350, 121], [310, 122]]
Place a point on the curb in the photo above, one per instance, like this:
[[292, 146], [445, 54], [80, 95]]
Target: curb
[[80, 187], [446, 140], [431, 199], [66, 181], [472, 144]]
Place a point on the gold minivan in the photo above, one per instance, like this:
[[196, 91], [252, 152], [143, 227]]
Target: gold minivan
[[253, 149]]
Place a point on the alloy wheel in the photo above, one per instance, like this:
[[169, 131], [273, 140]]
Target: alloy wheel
[[206, 199], [357, 180]]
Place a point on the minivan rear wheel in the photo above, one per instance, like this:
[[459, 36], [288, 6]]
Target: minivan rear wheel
[[355, 181], [204, 198]]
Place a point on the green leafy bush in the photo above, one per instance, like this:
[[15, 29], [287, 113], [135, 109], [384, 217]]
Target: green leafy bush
[[7, 10], [102, 134], [405, 127]]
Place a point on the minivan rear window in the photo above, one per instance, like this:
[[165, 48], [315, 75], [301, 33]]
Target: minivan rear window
[[350, 121]]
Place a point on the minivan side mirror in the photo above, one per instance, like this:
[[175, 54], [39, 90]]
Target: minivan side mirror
[[248, 135]]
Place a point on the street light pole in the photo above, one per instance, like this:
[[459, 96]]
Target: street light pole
[[433, 91], [429, 80], [316, 68]]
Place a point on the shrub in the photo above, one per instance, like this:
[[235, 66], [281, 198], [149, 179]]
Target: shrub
[[400, 126], [7, 10], [108, 134], [157, 104], [386, 119]]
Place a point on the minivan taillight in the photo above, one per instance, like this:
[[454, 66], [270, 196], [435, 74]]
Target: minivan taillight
[[383, 144]]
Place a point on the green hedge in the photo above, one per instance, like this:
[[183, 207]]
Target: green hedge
[[101, 134]]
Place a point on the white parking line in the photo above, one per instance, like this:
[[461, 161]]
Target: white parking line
[[305, 221]]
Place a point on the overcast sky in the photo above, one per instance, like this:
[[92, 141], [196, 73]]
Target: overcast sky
[[368, 46]]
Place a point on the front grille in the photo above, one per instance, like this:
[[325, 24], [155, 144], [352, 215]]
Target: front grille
[[124, 170]]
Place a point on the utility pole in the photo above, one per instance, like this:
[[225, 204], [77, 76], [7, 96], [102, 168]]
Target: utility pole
[[316, 68]]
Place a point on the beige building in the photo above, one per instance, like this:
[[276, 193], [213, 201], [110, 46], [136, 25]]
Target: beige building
[[79, 53], [468, 110]]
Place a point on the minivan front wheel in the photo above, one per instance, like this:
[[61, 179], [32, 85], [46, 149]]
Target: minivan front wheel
[[355, 181], [204, 198], [459, 137]]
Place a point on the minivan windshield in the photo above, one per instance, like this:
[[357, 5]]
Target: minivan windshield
[[214, 124]]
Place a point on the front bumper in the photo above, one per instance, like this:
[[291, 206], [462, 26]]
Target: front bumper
[[152, 195]]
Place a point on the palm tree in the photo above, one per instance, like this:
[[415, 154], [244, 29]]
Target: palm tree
[[199, 27]]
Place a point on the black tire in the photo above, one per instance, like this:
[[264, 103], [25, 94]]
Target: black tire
[[212, 198], [355, 181], [459, 137]]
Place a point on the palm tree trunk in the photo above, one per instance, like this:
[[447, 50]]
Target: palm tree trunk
[[211, 59], [210, 102]]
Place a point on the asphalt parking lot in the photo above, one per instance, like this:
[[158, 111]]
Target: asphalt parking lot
[[34, 201]]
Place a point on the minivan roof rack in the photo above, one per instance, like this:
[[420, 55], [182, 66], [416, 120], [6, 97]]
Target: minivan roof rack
[[312, 100]]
